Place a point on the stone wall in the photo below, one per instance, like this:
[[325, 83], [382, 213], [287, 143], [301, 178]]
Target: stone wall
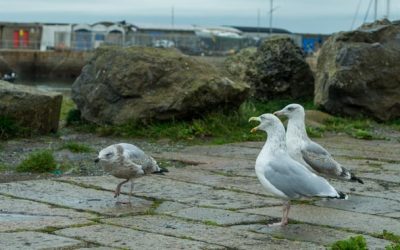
[[31, 65]]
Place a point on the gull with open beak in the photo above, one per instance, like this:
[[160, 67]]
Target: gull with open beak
[[282, 176]]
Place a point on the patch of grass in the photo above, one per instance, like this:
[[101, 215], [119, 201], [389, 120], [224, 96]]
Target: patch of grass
[[76, 147], [357, 128], [3, 167], [38, 162], [395, 124], [9, 128], [66, 106], [210, 223], [393, 238], [315, 132], [353, 243], [219, 127]]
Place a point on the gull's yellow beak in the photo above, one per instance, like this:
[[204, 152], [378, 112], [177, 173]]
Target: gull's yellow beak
[[253, 130]]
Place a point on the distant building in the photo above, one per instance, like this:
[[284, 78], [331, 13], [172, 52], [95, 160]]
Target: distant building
[[20, 35], [312, 42], [55, 36]]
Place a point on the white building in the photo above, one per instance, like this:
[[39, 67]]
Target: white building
[[55, 36]]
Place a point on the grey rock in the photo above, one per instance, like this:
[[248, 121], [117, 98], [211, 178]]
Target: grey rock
[[119, 85], [278, 69], [358, 72], [29, 107]]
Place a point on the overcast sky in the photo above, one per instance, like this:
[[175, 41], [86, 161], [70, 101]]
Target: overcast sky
[[315, 16]]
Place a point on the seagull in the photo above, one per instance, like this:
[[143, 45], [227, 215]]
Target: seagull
[[307, 152], [127, 161], [281, 175]]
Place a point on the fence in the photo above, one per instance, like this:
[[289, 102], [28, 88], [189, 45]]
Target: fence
[[187, 43]]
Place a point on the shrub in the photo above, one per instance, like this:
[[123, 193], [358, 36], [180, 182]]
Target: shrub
[[38, 162], [353, 243], [73, 116], [76, 147], [8, 127]]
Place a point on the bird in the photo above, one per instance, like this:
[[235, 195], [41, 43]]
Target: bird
[[127, 161], [281, 175], [308, 152]]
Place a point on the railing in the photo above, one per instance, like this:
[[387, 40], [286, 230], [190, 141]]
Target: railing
[[187, 43]]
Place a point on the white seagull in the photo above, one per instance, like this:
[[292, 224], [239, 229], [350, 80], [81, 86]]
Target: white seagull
[[283, 176], [126, 161], [307, 152]]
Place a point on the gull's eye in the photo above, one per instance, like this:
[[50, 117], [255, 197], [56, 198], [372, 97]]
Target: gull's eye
[[291, 108], [109, 155]]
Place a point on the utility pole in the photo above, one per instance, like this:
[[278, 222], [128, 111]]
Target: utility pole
[[172, 17], [375, 10], [258, 21], [387, 9], [271, 10]]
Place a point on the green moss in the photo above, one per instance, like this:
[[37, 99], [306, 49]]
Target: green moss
[[3, 167], [357, 128], [218, 127], [76, 147], [67, 106], [210, 223], [9, 128], [353, 243], [39, 162]]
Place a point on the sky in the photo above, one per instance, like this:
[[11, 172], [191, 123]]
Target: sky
[[306, 16]]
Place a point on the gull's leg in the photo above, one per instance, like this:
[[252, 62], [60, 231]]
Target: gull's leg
[[130, 193], [285, 211], [118, 189], [285, 218]]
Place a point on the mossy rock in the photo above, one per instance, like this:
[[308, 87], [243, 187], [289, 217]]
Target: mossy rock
[[119, 85]]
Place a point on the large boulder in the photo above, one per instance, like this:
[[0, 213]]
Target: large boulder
[[119, 85], [278, 70], [358, 72], [30, 107], [236, 65]]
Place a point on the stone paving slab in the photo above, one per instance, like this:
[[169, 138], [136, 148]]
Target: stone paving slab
[[218, 216], [10, 205], [36, 240], [14, 222], [194, 194], [113, 236], [334, 218], [362, 204], [311, 233], [228, 237], [72, 196], [209, 178]]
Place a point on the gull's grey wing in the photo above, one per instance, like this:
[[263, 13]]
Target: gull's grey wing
[[295, 180], [320, 159], [137, 156]]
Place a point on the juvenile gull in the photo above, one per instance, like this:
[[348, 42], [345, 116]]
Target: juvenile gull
[[307, 152], [283, 176], [126, 161]]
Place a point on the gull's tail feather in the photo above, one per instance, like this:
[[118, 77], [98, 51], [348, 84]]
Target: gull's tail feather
[[342, 196], [346, 174], [355, 178], [161, 171]]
